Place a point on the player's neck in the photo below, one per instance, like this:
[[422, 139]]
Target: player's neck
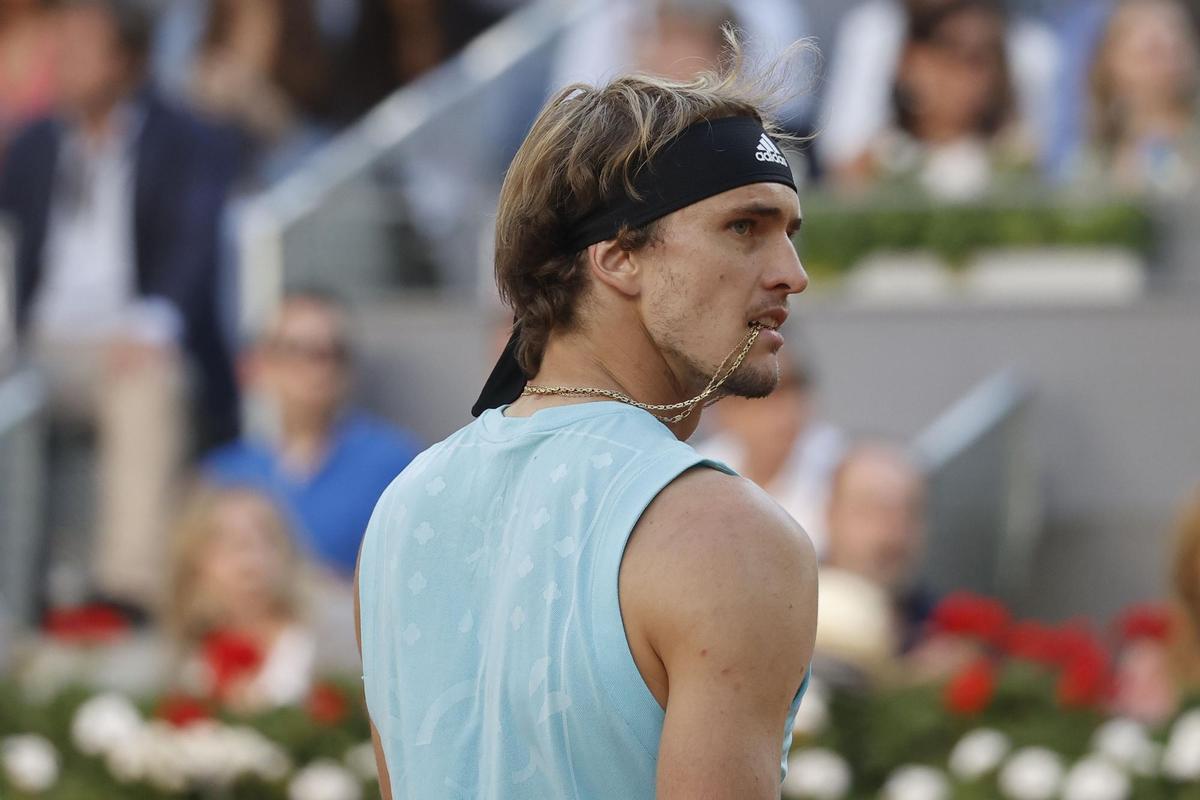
[[630, 365]]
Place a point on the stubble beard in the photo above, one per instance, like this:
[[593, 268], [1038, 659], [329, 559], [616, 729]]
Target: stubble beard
[[749, 380]]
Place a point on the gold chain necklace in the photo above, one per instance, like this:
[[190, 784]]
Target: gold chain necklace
[[688, 406]]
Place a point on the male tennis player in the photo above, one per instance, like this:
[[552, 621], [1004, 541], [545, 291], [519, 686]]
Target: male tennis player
[[563, 600]]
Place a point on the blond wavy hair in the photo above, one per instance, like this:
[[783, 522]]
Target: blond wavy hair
[[189, 614], [1108, 117], [587, 142]]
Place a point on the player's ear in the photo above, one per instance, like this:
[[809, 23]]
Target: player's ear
[[614, 266]]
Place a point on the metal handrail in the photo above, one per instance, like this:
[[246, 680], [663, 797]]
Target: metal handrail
[[22, 492], [981, 410], [387, 127], [8, 295], [22, 395], [998, 405]]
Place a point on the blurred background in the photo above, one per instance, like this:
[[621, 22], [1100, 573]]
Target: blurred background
[[245, 276]]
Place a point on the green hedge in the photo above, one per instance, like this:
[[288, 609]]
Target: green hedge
[[837, 234]]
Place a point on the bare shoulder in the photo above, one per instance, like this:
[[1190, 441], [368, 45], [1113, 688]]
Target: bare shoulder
[[718, 591], [715, 565], [707, 524]]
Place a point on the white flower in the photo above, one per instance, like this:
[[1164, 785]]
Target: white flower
[[205, 753], [30, 762], [817, 773], [149, 754], [1095, 778], [813, 715], [1181, 760], [1126, 743], [254, 754], [978, 753], [916, 782], [324, 780], [102, 722], [360, 759], [1033, 773]]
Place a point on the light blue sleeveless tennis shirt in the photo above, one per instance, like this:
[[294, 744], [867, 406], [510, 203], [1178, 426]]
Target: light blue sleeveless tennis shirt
[[495, 660]]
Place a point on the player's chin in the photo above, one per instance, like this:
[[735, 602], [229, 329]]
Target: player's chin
[[758, 377]]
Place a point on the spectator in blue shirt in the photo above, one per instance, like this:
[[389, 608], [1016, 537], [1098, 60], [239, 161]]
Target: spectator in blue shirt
[[326, 463]]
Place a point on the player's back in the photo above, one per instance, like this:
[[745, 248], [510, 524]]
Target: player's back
[[495, 659]]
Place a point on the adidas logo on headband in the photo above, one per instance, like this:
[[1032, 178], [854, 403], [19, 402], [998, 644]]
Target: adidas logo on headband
[[767, 151]]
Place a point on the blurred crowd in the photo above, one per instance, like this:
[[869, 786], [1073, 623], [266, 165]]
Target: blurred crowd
[[234, 479], [954, 98], [864, 503]]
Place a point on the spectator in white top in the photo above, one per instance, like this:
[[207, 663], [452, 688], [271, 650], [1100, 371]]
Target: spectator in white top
[[866, 58]]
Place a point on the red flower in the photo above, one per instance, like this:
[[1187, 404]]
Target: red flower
[[1032, 641], [181, 710], [231, 657], [1084, 681], [1086, 677], [1147, 621], [94, 624], [965, 614], [971, 690], [327, 704], [1075, 640]]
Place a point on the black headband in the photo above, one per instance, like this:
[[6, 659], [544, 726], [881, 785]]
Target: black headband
[[708, 158]]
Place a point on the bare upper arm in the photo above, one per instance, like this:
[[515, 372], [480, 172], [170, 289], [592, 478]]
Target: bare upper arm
[[385, 781], [721, 584]]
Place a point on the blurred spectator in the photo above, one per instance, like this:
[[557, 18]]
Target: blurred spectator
[[234, 604], [1154, 674], [955, 127], [874, 611], [116, 200], [676, 38], [262, 66], [365, 48], [327, 462], [681, 41], [779, 443], [873, 46], [394, 42], [875, 521], [1145, 100], [182, 25], [27, 64]]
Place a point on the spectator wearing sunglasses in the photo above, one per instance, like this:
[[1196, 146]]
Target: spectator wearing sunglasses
[[324, 461]]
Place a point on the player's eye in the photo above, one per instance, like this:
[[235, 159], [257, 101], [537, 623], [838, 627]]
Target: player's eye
[[742, 227]]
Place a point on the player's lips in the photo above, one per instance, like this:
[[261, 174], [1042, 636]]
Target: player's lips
[[772, 319]]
